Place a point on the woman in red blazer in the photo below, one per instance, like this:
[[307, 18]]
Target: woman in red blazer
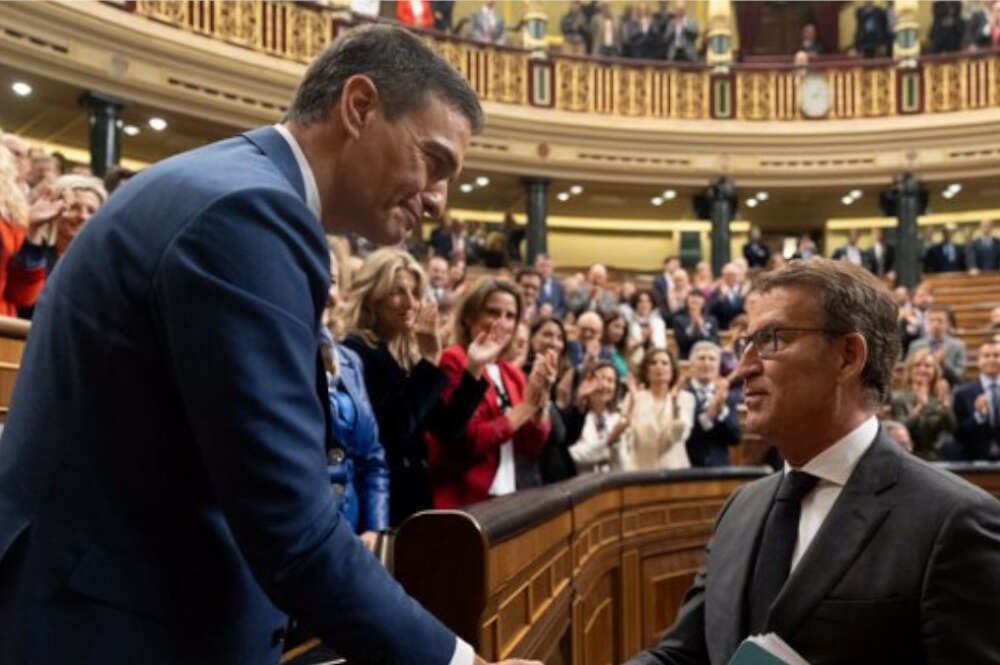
[[510, 420]]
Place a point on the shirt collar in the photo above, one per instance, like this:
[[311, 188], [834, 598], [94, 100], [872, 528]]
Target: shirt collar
[[308, 179], [836, 463], [986, 382]]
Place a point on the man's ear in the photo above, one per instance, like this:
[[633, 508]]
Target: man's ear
[[358, 104], [855, 356]]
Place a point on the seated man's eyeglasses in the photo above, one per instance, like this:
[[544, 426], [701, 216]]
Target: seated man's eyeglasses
[[769, 340]]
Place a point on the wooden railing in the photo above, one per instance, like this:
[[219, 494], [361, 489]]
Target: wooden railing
[[13, 333], [591, 570], [858, 88]]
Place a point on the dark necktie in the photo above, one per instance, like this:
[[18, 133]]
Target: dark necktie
[[774, 556]]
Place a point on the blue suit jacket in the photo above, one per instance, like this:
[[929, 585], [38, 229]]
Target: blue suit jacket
[[711, 447], [164, 495], [555, 297], [976, 439]]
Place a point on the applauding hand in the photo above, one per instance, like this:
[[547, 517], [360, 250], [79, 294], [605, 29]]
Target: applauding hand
[[40, 219], [485, 349], [426, 332]]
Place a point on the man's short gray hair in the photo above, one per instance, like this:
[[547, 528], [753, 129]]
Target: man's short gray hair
[[705, 345], [405, 73]]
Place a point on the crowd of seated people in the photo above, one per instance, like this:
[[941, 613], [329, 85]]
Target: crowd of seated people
[[448, 387]]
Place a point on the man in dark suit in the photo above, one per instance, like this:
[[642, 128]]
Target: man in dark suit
[[755, 250], [716, 421], [881, 257], [664, 283], [850, 251], [947, 255], [552, 291], [983, 253], [977, 408], [692, 324], [164, 494], [856, 552], [726, 301], [441, 239]]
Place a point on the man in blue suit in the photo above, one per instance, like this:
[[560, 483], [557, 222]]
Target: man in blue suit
[[716, 421], [552, 292], [983, 253], [164, 495], [977, 409]]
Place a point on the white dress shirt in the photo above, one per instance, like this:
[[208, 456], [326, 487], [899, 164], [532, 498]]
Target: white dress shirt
[[464, 654], [308, 179], [833, 467]]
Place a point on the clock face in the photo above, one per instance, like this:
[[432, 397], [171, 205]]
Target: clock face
[[815, 91]]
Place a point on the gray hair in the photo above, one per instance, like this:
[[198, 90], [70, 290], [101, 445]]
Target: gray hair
[[705, 345], [405, 73]]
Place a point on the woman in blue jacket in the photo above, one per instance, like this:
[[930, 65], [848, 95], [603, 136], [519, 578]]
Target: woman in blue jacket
[[356, 462]]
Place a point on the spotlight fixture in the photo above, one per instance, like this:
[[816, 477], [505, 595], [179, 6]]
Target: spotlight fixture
[[576, 189], [466, 187], [656, 200], [563, 196], [482, 181], [762, 196], [21, 89], [948, 193], [130, 130], [855, 194], [954, 188], [157, 124], [751, 203], [669, 194], [846, 200]]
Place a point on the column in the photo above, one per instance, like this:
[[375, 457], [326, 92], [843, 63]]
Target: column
[[719, 53], [911, 198], [720, 198], [536, 193], [905, 45], [105, 135]]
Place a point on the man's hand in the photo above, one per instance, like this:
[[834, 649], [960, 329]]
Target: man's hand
[[41, 218], [982, 405], [426, 332]]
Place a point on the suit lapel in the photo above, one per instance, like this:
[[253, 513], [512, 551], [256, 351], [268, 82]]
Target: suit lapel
[[855, 516], [729, 568]]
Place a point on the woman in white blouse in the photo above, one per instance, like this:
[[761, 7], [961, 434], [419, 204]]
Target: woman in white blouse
[[604, 427], [661, 417]]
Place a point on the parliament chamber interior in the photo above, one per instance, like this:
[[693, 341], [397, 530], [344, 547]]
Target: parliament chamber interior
[[641, 167]]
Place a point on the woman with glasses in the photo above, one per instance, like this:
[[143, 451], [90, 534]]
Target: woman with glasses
[[394, 329]]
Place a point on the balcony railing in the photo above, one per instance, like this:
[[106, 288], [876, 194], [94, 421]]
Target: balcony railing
[[635, 88]]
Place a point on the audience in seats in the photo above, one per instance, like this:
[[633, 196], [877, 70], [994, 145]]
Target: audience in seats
[[486, 25], [529, 282], [647, 325], [755, 250], [810, 43], [57, 215], [947, 350], [716, 423], [850, 251], [681, 36], [948, 32], [565, 413], [552, 291], [615, 342], [913, 316], [977, 408], [587, 347], [924, 405], [605, 427], [678, 295], [983, 253], [726, 301], [437, 278], [13, 219], [604, 31], [984, 27], [663, 284], [881, 256], [598, 297], [872, 32], [415, 13], [661, 416], [703, 281], [806, 249], [573, 26], [359, 476], [692, 325], [512, 416], [397, 338]]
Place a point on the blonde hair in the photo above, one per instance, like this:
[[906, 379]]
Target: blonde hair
[[13, 202], [372, 283], [914, 360], [75, 181]]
